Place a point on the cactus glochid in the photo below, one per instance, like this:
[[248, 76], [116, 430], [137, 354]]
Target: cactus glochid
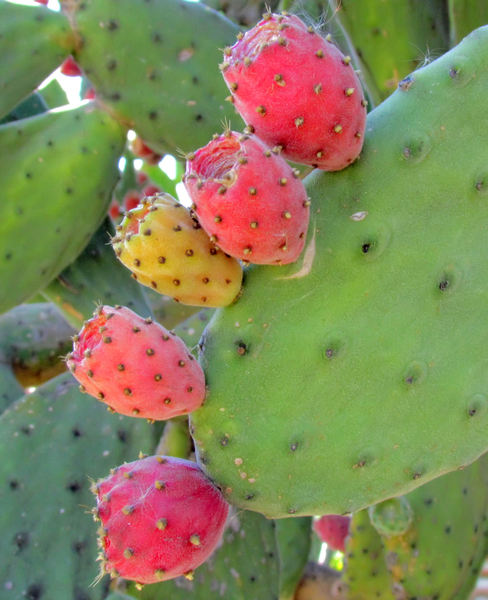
[[319, 276]]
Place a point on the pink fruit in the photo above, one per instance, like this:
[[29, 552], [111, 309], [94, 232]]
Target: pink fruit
[[142, 150], [136, 366], [70, 67], [151, 190], [42, 2], [142, 178], [89, 94], [333, 530], [298, 91], [248, 199], [114, 210], [161, 518], [131, 200]]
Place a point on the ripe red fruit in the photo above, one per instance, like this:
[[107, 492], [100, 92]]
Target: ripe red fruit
[[89, 94], [151, 190], [70, 67], [141, 178], [136, 366], [333, 530], [114, 210], [248, 199], [298, 91], [142, 150], [131, 200], [42, 2], [161, 518]]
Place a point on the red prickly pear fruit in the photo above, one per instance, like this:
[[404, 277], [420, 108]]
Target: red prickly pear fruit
[[89, 94], [142, 178], [248, 199], [114, 210], [42, 2], [151, 190], [131, 200], [142, 150], [136, 366], [70, 67], [333, 530], [298, 91], [160, 518]]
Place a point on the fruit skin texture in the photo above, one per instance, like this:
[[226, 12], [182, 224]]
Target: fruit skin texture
[[248, 199], [333, 530], [297, 91], [161, 518], [167, 250], [136, 366]]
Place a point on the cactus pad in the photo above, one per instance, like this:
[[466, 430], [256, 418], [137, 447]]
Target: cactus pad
[[48, 199], [361, 369], [165, 83]]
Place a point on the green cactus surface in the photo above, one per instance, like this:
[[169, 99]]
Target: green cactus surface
[[161, 78], [32, 105], [359, 372], [33, 338], [96, 277], [443, 549], [365, 575], [293, 537], [390, 39], [46, 39], [50, 206], [52, 443]]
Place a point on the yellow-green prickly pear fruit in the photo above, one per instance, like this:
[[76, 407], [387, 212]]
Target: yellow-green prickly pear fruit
[[166, 249]]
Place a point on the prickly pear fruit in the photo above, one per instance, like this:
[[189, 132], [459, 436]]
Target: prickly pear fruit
[[70, 67], [166, 249], [161, 518], [333, 530], [142, 150], [136, 366], [248, 199], [297, 90], [131, 199]]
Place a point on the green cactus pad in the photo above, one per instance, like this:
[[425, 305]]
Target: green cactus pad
[[34, 41], [365, 576], [33, 339], [443, 550], [464, 16], [244, 567], [57, 173], [161, 78], [32, 105], [359, 373], [96, 277], [390, 39], [294, 538], [52, 443]]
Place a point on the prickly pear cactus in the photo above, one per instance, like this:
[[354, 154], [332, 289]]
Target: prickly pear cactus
[[359, 368], [351, 380]]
